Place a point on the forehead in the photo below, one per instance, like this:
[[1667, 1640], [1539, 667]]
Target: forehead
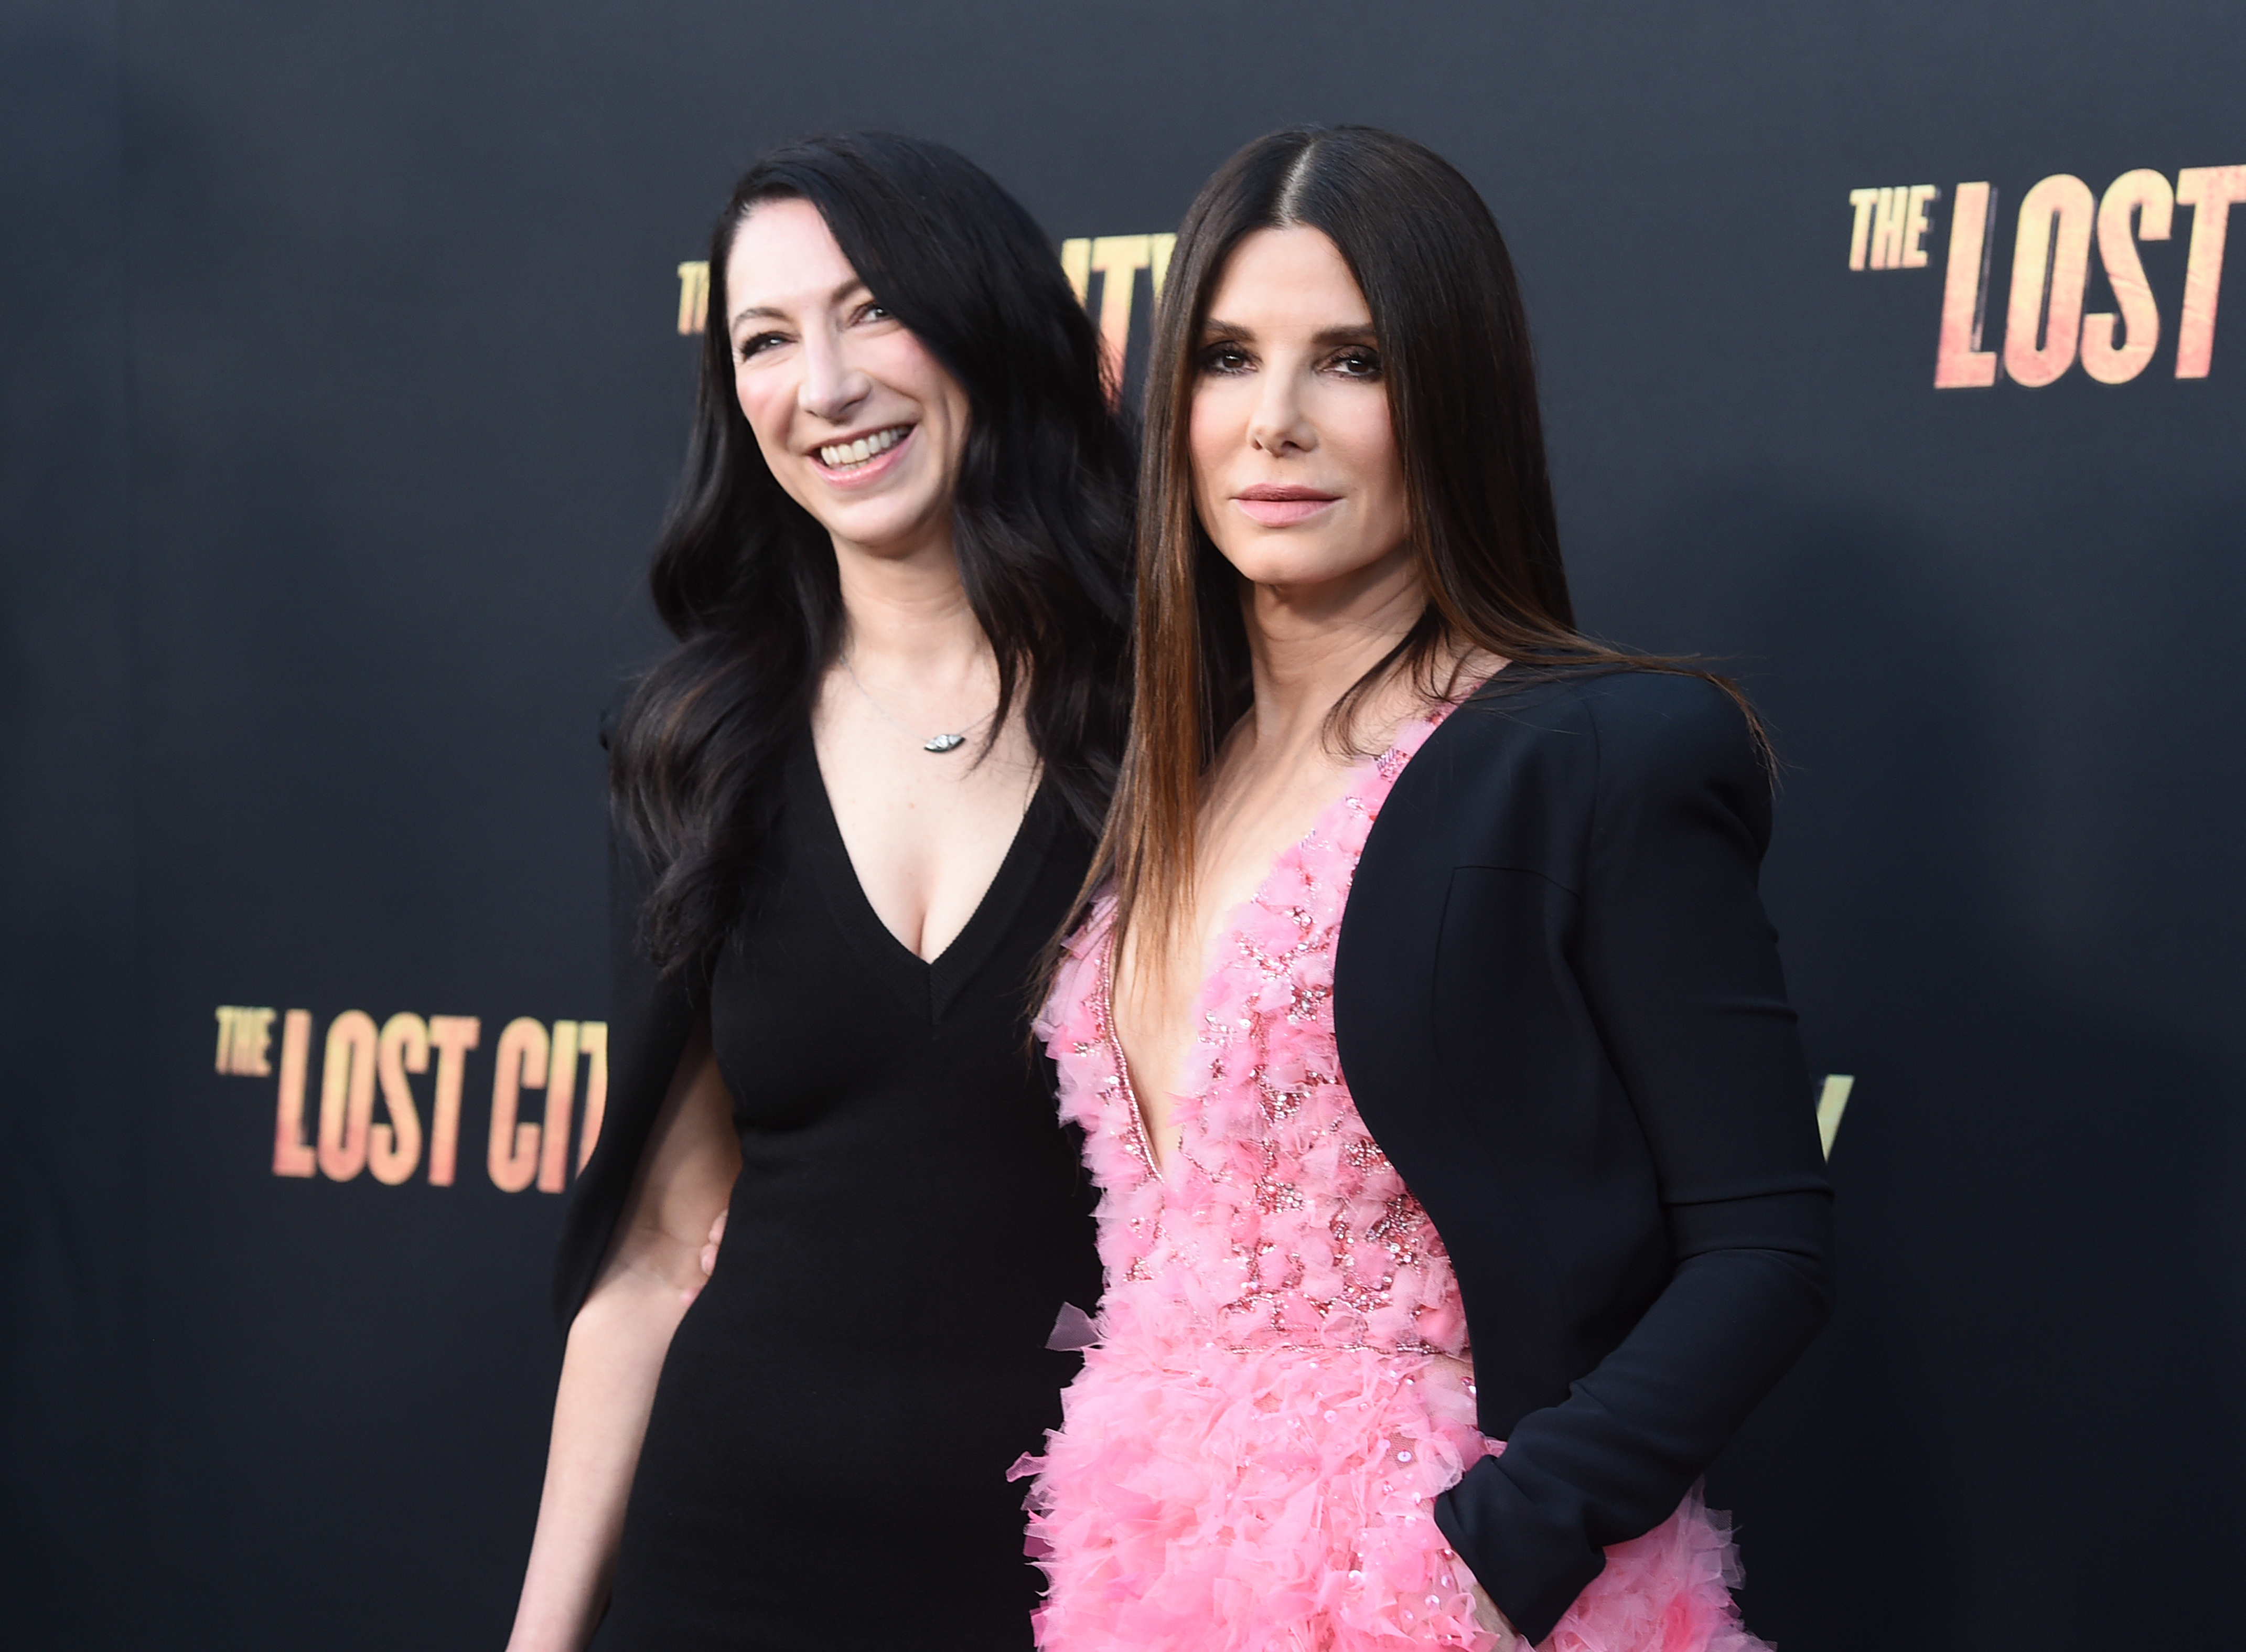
[[1286, 279], [784, 257]]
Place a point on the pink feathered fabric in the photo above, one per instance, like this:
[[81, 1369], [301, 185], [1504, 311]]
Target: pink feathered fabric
[[1281, 1384]]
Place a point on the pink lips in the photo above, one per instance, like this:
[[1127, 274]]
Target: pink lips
[[1277, 506]]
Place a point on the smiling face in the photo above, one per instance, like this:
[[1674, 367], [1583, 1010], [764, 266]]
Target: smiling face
[[1296, 474], [860, 423]]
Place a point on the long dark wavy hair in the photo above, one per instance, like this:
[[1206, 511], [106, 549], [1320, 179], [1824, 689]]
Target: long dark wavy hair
[[745, 578], [1461, 383]]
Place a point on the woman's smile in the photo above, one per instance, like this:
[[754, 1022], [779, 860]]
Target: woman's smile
[[856, 460]]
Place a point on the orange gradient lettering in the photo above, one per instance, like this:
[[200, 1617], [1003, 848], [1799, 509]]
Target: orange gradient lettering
[[245, 1034], [292, 1154], [1914, 225], [2209, 192], [2144, 196], [560, 1097], [513, 1154], [393, 1149], [592, 1039], [347, 1095], [693, 296], [452, 1038], [1887, 229], [1959, 360], [2051, 269], [1890, 226], [1859, 230], [1118, 259], [371, 1118], [1158, 248]]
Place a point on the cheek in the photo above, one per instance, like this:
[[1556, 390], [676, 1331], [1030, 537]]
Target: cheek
[[1215, 423], [1371, 440], [947, 393], [902, 362], [764, 404]]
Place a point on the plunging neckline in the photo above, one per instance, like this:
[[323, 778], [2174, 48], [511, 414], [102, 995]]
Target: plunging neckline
[[1230, 930], [1227, 931], [932, 982]]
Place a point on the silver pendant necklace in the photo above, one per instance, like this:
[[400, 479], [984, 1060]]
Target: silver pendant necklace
[[939, 744]]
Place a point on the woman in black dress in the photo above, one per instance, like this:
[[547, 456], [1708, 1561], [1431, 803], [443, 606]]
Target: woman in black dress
[[857, 798]]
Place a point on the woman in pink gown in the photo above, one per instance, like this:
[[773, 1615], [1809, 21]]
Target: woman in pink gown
[[1278, 1440]]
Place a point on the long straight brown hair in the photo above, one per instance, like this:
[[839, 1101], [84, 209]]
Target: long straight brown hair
[[1461, 384]]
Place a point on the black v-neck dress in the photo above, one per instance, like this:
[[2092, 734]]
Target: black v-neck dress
[[825, 1463]]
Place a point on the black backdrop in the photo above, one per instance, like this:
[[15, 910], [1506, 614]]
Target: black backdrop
[[341, 393]]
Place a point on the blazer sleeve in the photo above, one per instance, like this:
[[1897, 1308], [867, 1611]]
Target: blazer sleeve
[[1679, 968], [650, 1018]]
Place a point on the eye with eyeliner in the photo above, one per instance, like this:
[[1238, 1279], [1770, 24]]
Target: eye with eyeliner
[[1225, 355], [756, 345], [1227, 358]]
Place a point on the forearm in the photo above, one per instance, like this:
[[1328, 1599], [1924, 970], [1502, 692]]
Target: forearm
[[608, 1372], [1613, 1459]]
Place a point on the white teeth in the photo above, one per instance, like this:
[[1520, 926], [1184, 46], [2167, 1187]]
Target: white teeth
[[841, 455]]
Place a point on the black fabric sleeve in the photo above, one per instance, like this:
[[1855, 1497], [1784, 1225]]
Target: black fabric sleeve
[[1679, 966], [649, 1021]]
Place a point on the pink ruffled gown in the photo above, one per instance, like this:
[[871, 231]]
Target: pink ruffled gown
[[1281, 1384]]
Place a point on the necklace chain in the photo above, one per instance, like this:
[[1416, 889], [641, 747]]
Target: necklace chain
[[937, 743]]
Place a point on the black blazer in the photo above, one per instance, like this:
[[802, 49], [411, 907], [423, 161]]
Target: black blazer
[[1560, 1013]]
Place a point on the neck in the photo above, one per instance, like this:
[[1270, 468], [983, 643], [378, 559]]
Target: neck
[[908, 614], [1308, 644]]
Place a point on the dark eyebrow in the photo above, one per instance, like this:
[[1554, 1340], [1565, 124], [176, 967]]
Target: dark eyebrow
[[758, 312], [1215, 328]]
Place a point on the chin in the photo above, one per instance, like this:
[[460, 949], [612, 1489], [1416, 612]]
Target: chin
[[1268, 564], [880, 525]]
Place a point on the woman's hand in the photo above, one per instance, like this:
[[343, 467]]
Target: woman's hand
[[709, 1258], [1488, 1617]]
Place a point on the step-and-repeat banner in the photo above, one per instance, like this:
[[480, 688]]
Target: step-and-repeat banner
[[349, 354]]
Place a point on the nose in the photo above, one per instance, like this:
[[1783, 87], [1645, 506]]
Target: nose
[[1278, 424], [832, 386]]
